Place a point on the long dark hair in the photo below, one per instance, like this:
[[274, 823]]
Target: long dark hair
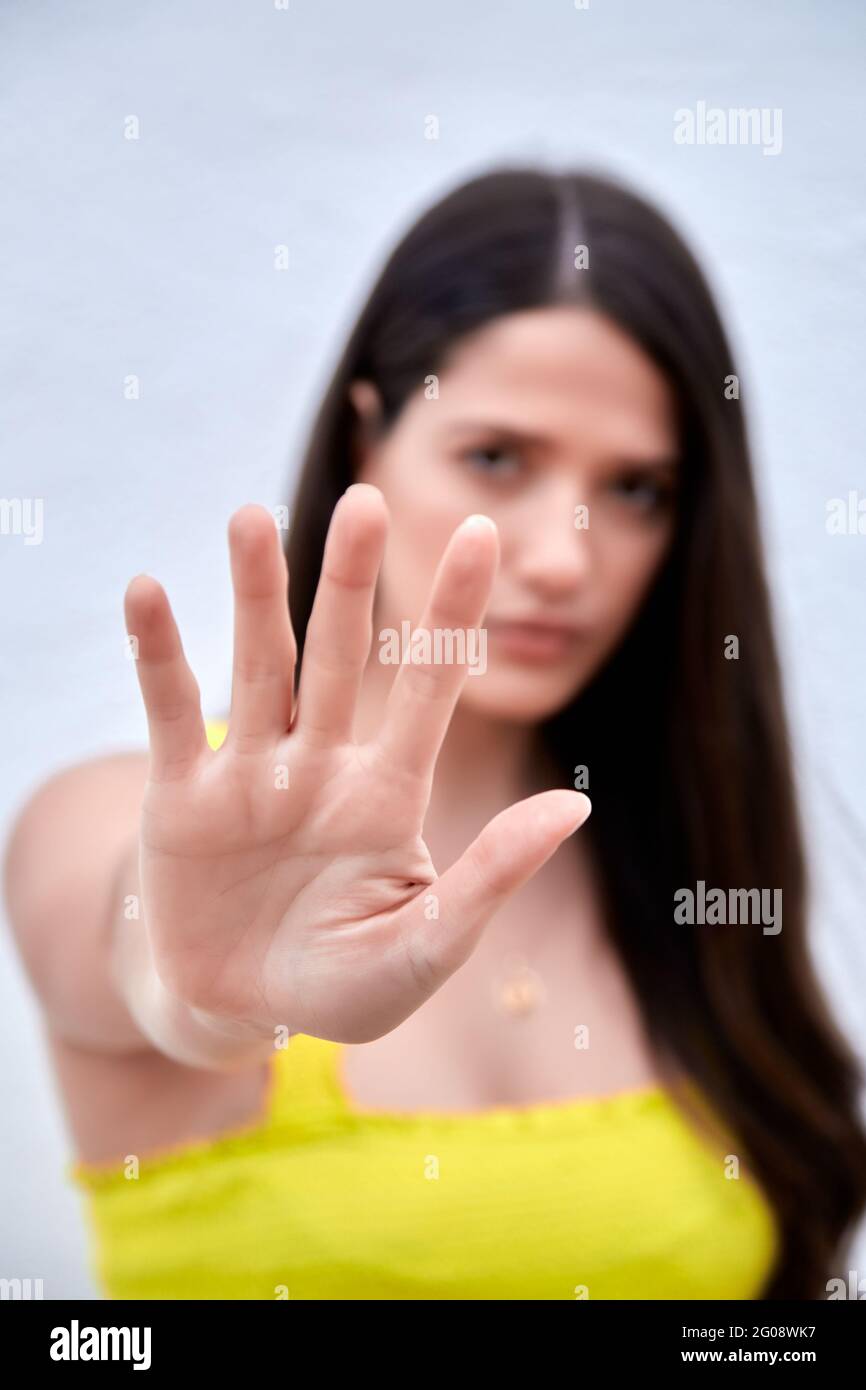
[[688, 752]]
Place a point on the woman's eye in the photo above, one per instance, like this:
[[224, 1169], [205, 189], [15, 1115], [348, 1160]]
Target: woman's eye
[[500, 462], [645, 494]]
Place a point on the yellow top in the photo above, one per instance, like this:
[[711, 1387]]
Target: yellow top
[[612, 1197]]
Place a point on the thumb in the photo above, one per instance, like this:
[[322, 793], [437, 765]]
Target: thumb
[[510, 849]]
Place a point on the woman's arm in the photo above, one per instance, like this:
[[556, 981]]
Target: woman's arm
[[72, 889], [285, 884]]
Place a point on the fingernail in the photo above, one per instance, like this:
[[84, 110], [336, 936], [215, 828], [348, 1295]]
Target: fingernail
[[478, 522]]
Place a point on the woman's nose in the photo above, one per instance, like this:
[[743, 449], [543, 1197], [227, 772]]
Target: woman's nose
[[553, 550]]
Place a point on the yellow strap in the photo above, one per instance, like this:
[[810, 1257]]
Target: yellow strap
[[216, 730]]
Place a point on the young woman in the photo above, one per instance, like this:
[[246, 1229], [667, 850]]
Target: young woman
[[338, 1007]]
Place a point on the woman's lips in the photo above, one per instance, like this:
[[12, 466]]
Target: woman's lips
[[532, 641]]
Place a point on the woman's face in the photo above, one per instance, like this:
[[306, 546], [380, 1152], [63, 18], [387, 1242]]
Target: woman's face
[[558, 426]]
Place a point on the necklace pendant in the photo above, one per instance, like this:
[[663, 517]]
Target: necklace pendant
[[520, 990]]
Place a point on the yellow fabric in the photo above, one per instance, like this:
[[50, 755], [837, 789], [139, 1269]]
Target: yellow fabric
[[618, 1197]]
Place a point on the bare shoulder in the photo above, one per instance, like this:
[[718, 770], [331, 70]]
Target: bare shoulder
[[66, 830], [57, 863], [118, 1098]]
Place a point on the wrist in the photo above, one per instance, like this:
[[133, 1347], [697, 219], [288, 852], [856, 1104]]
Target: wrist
[[196, 1037], [183, 1032], [192, 1036]]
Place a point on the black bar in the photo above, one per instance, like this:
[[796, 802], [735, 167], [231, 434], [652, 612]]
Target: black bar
[[247, 1336]]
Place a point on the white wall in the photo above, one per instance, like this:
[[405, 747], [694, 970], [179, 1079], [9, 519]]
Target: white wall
[[154, 257]]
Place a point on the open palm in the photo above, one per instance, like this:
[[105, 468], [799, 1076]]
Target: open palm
[[284, 877]]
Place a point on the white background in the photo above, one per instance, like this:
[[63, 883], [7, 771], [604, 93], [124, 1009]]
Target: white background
[[305, 127]]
